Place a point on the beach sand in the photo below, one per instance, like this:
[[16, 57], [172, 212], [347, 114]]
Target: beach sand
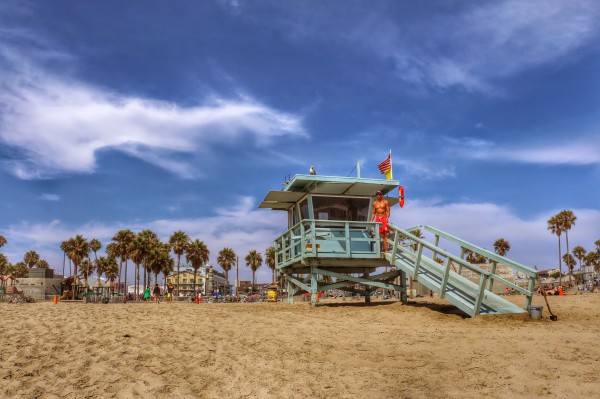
[[426, 349]]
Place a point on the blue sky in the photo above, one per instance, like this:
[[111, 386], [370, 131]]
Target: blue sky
[[183, 115]]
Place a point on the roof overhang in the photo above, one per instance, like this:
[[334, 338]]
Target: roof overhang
[[335, 185], [281, 200], [300, 185]]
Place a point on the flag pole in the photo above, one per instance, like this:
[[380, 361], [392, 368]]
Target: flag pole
[[391, 167]]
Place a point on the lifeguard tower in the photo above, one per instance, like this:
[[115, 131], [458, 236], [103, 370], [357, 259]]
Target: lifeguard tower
[[330, 234]]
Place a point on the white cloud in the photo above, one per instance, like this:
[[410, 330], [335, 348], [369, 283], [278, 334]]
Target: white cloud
[[61, 126], [495, 40], [58, 125], [50, 197], [425, 170], [576, 151], [469, 45]]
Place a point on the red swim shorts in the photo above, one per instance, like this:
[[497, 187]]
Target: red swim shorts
[[384, 224]]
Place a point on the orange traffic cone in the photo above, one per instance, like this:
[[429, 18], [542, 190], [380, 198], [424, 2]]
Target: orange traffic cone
[[560, 291], [55, 299], [197, 300]]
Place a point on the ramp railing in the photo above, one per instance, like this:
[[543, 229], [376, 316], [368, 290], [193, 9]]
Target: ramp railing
[[411, 251], [495, 260]]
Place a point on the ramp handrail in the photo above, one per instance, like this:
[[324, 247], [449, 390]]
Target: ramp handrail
[[484, 274], [488, 254]]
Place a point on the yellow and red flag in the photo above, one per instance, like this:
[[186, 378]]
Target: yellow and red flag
[[385, 167]]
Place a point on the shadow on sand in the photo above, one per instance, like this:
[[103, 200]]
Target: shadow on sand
[[440, 308], [436, 307], [355, 304]]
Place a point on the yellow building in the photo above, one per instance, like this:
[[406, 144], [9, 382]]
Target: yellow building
[[207, 280]]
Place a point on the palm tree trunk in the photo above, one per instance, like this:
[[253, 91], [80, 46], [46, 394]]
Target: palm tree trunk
[[570, 268], [137, 281], [253, 280], [145, 283], [64, 261], [178, 277], [227, 281], [119, 281], [559, 263], [126, 287], [195, 271]]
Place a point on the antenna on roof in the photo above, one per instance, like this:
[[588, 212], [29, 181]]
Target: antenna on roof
[[286, 179]]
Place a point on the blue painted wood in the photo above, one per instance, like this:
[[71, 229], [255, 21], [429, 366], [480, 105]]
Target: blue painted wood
[[470, 297], [490, 255]]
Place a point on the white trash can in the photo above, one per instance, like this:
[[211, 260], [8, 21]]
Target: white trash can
[[535, 312]]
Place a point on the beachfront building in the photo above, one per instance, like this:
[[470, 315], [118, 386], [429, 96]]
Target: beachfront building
[[208, 280]]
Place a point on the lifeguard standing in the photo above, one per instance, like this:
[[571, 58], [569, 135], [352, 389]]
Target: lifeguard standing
[[381, 214]]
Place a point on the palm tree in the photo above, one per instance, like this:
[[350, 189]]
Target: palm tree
[[2, 241], [158, 258], [579, 252], [112, 251], [31, 259], [570, 262], [111, 269], [178, 242], [254, 261], [20, 270], [137, 252], [78, 250], [87, 268], [43, 264], [417, 233], [151, 240], [4, 263], [64, 246], [470, 256], [270, 260], [101, 266], [592, 259], [95, 246], [168, 265], [480, 258], [197, 254], [226, 260], [501, 246], [568, 219], [123, 239], [555, 226]]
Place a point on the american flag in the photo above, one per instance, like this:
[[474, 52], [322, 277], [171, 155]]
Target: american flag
[[385, 165]]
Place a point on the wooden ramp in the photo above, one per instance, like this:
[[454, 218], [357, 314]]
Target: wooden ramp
[[441, 271]]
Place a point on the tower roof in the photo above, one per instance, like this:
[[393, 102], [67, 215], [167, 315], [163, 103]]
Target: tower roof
[[301, 185]]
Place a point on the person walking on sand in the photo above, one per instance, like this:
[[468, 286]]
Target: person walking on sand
[[381, 214], [156, 292], [170, 289], [146, 294]]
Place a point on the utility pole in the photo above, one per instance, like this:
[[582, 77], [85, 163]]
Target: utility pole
[[237, 278]]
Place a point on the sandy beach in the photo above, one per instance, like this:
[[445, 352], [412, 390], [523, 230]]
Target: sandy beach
[[426, 349]]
